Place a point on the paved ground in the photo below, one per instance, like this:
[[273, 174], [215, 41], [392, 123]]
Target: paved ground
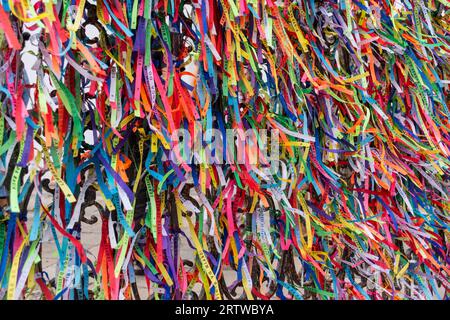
[[90, 238]]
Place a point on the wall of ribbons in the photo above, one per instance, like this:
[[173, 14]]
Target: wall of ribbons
[[225, 149]]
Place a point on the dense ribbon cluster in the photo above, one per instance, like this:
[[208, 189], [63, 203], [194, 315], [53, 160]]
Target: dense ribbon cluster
[[355, 206]]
